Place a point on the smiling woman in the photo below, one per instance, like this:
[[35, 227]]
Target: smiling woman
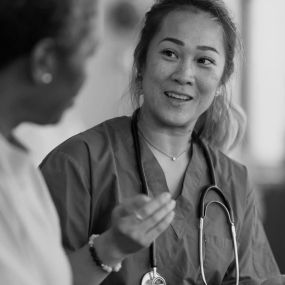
[[222, 124], [133, 185]]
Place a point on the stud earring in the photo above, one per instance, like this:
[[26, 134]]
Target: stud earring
[[46, 78], [218, 93]]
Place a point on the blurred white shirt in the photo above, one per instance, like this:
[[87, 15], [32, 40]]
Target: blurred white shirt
[[30, 238]]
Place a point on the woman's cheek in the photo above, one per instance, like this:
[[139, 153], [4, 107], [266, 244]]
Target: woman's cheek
[[208, 84]]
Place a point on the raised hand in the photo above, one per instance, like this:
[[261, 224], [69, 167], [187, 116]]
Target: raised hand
[[137, 222]]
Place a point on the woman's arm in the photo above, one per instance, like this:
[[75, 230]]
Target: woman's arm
[[127, 235], [67, 177]]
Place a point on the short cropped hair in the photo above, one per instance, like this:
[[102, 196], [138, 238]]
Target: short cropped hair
[[23, 23]]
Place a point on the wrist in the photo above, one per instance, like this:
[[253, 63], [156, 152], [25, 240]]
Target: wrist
[[106, 250], [107, 267]]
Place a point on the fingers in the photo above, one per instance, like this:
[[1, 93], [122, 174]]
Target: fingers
[[160, 227], [154, 217], [143, 207], [138, 216], [161, 217], [159, 214], [159, 203], [137, 202], [130, 206], [139, 221]]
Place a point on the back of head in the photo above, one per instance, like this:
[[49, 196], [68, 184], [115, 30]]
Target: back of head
[[23, 23]]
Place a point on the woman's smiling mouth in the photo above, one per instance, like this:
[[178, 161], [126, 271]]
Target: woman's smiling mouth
[[178, 96]]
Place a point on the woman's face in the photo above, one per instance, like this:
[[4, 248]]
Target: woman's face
[[183, 70]]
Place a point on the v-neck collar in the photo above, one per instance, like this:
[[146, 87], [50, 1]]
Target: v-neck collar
[[188, 200]]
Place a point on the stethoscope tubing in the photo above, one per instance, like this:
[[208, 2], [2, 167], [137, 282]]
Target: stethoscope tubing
[[203, 210], [143, 180], [233, 234]]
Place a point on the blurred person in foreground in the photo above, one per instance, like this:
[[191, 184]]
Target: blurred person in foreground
[[132, 181], [45, 45]]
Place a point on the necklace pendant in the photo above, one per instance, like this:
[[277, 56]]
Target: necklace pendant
[[173, 158]]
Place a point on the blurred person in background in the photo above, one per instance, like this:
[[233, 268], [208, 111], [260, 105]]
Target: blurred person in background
[[129, 191], [45, 45]]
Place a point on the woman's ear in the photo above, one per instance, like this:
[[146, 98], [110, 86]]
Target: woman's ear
[[43, 62]]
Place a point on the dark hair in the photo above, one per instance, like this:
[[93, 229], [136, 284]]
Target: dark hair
[[214, 125], [23, 23]]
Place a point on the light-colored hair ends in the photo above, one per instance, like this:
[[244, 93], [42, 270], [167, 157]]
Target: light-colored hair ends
[[223, 124]]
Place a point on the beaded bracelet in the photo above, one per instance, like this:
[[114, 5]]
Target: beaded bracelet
[[97, 260]]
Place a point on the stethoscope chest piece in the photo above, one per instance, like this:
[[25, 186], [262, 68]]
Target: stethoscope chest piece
[[153, 278]]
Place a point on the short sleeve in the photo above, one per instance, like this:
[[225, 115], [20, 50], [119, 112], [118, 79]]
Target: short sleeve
[[65, 173]]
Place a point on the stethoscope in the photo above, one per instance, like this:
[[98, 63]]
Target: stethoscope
[[153, 277]]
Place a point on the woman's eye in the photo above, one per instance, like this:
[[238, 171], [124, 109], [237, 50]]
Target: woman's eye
[[206, 61], [169, 53]]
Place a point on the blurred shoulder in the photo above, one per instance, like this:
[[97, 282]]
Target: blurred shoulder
[[96, 139], [226, 165], [232, 177]]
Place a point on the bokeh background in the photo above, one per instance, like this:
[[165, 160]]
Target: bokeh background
[[258, 86]]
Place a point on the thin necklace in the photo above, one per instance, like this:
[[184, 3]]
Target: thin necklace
[[172, 157]]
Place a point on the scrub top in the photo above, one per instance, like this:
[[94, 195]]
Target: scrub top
[[92, 172]]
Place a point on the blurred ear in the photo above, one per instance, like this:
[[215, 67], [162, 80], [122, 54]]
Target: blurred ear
[[44, 62]]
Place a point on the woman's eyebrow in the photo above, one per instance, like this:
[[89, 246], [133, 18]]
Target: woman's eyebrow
[[176, 41], [208, 48], [181, 43]]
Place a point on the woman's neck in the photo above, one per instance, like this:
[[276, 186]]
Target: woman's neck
[[170, 140]]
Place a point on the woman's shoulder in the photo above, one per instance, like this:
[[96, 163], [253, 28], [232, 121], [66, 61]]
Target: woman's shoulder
[[118, 126], [95, 139], [233, 178], [227, 165], [115, 126], [230, 173]]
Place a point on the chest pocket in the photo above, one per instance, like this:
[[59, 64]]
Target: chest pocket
[[218, 256], [218, 246]]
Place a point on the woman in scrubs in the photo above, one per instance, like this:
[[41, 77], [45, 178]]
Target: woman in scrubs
[[182, 64]]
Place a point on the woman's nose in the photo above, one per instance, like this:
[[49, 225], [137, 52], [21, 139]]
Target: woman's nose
[[184, 73]]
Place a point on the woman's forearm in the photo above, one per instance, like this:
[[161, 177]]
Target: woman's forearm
[[127, 235], [85, 270]]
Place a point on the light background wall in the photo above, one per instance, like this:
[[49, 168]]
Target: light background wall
[[266, 88]]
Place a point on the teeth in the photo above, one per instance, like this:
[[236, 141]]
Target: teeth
[[178, 96]]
